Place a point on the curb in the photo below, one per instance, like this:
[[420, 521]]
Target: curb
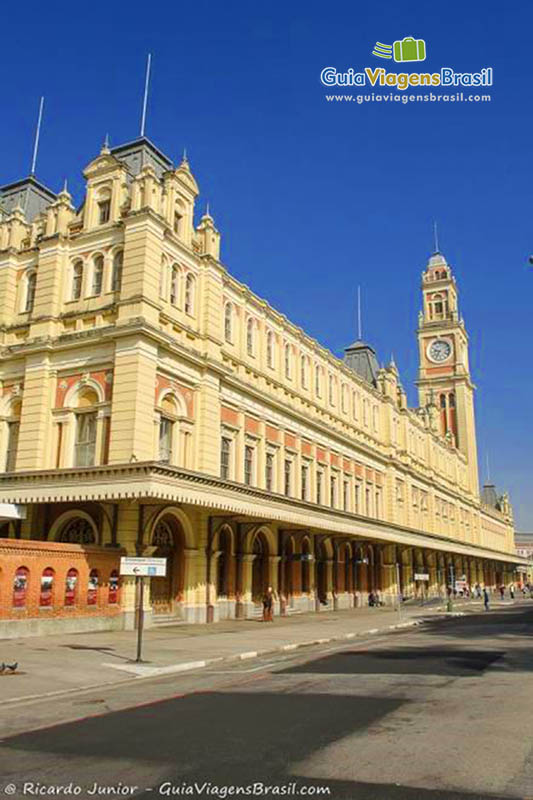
[[153, 672]]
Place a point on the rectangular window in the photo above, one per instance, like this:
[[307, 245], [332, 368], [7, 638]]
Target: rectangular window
[[104, 211], [225, 453], [288, 475], [165, 440], [378, 504], [357, 498], [269, 472], [248, 464], [345, 489], [12, 444], [333, 491], [305, 481], [368, 503], [85, 446], [319, 488]]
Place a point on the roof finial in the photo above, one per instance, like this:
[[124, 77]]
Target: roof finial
[[436, 236], [184, 159], [145, 99], [37, 134], [359, 324], [105, 146], [207, 209]]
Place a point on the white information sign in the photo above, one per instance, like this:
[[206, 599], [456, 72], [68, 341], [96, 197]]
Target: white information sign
[[151, 567], [421, 576]]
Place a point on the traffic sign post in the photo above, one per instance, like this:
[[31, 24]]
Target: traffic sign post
[[141, 568]]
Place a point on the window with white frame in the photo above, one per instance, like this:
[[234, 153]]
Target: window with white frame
[[270, 350], [250, 344], [228, 322], [318, 381], [288, 361], [225, 458], [305, 481], [174, 284], [319, 486], [116, 273], [333, 491], [269, 471], [31, 281], [85, 441], [287, 477], [98, 275], [303, 372], [77, 280], [249, 459], [104, 211], [189, 294]]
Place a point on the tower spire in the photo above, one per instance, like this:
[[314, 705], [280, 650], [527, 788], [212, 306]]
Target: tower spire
[[146, 87], [37, 134]]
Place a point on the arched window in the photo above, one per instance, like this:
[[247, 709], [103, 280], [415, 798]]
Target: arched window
[[443, 401], [318, 381], [451, 400], [31, 280], [288, 361], [355, 403], [174, 284], [20, 587], [77, 531], [228, 322], [270, 350], [303, 372], [86, 423], [167, 421], [365, 413], [71, 587], [116, 275], [375, 415], [77, 280], [189, 294], [46, 598], [98, 274], [163, 277], [331, 390], [250, 336], [114, 580], [92, 588], [344, 401]]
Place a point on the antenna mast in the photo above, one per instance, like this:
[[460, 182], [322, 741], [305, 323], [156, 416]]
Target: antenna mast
[[37, 134], [359, 325], [146, 85]]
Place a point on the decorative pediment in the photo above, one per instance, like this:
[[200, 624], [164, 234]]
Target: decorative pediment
[[186, 178], [103, 164]]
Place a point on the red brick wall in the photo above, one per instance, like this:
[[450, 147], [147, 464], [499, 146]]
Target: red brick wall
[[38, 556]]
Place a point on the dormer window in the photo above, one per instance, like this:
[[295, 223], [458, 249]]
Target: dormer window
[[104, 211]]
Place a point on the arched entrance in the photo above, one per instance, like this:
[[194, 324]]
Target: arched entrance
[[288, 568], [306, 567], [224, 565], [259, 568], [167, 593]]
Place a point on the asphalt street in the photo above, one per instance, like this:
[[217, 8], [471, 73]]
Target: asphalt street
[[443, 711]]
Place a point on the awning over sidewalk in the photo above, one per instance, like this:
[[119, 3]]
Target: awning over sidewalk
[[151, 481]]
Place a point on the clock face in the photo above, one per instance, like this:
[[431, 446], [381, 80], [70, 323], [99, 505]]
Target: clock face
[[439, 350]]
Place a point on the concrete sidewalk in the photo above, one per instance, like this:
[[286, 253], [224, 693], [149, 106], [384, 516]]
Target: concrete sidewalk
[[55, 665]]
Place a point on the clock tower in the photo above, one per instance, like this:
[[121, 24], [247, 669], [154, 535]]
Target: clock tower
[[444, 375]]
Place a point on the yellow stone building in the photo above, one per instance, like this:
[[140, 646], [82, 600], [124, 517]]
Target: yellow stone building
[[153, 404]]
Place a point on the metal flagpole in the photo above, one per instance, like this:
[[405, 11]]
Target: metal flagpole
[[145, 100]]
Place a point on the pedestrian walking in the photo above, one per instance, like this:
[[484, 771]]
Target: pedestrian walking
[[268, 605], [486, 599], [511, 591], [502, 592], [478, 591]]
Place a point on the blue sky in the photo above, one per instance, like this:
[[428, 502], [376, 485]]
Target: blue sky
[[314, 198]]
